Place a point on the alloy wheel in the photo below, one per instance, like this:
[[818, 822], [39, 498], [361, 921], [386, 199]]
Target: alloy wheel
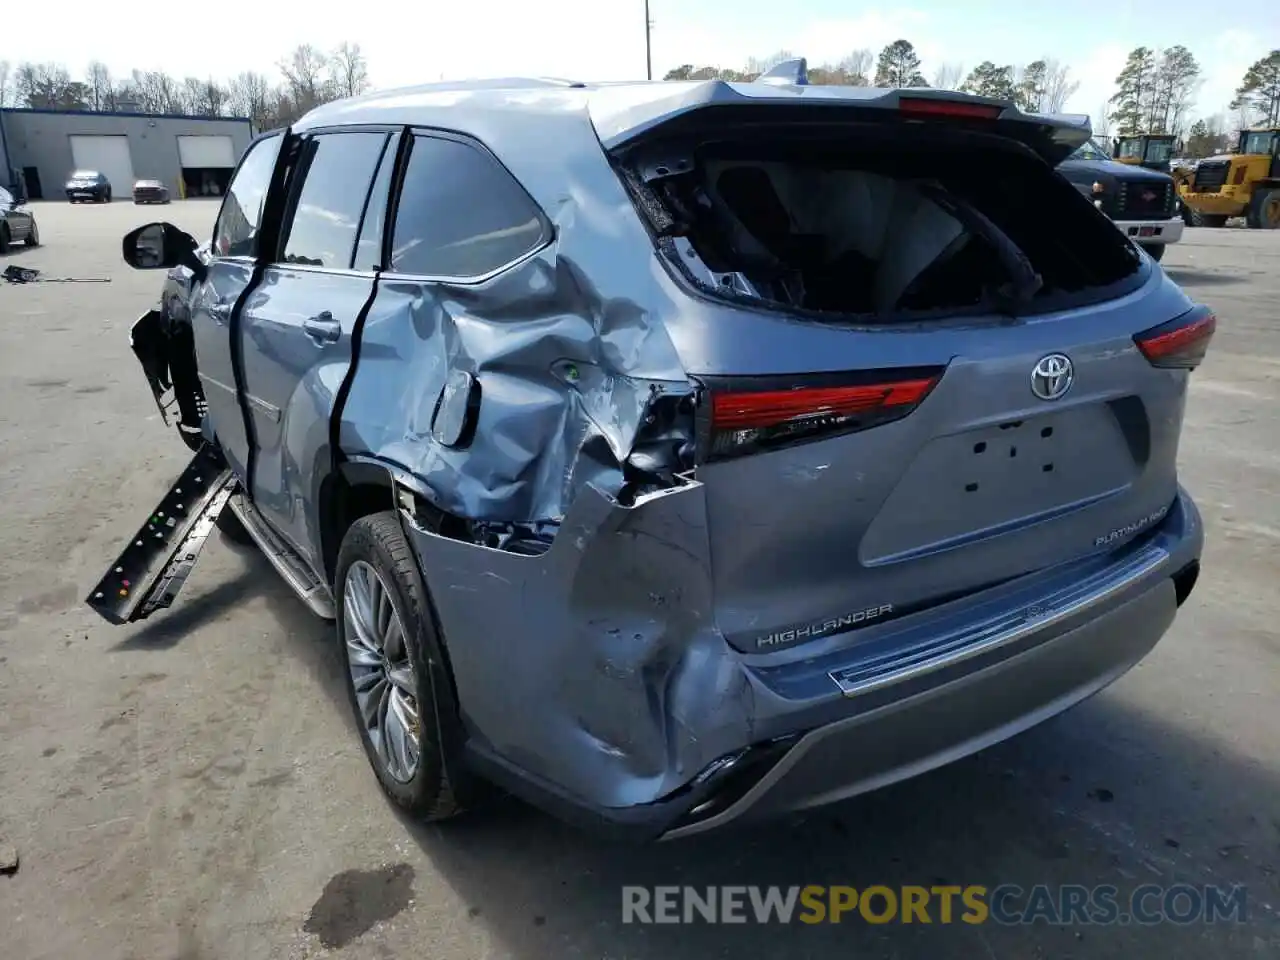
[[382, 671]]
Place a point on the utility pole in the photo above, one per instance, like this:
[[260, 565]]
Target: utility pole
[[648, 46]]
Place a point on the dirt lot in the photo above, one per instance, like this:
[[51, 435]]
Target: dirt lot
[[191, 787]]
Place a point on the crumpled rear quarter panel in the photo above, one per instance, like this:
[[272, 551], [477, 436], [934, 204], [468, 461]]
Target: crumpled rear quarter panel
[[596, 665]]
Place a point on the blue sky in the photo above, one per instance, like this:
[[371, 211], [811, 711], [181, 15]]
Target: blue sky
[[410, 41]]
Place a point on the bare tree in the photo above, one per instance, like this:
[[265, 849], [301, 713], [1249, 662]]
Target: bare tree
[[948, 76], [153, 92], [98, 80], [250, 95], [213, 99], [856, 66], [305, 74], [192, 94], [1101, 121], [1058, 86], [50, 86], [350, 70], [5, 86]]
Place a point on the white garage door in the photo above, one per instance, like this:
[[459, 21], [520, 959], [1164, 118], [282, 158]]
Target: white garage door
[[109, 156], [206, 151]]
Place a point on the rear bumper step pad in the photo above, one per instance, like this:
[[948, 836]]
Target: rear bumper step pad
[[150, 571]]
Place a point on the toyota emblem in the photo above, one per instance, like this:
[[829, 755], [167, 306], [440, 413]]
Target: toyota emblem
[[1052, 376]]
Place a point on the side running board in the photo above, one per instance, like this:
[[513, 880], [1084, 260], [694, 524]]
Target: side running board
[[148, 574], [311, 591]]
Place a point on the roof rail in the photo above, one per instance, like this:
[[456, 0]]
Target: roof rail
[[788, 73]]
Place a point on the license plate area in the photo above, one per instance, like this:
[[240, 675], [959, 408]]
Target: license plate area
[[984, 481]]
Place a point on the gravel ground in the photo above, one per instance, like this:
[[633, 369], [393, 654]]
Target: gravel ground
[[192, 787]]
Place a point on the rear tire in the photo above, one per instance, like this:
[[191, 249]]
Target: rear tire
[[4, 238], [1156, 250], [438, 786], [1264, 210], [33, 238]]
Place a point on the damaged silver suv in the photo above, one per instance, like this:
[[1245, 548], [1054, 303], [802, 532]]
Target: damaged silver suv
[[674, 454]]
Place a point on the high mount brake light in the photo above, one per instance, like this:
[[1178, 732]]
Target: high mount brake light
[[748, 417], [1181, 343], [951, 109]]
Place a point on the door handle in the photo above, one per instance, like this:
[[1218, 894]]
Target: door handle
[[322, 328], [220, 312]]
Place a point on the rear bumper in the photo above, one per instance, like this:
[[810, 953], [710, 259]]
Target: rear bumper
[[1148, 232], [585, 694], [908, 737]]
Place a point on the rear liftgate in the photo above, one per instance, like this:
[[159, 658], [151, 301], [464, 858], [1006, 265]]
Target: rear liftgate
[[148, 574]]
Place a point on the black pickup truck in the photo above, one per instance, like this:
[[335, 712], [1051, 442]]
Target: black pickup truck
[[1143, 203]]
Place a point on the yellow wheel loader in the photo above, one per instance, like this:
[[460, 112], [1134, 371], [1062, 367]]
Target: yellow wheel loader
[[1243, 184], [1150, 150]]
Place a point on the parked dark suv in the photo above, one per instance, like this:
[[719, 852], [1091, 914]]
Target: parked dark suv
[[88, 185], [678, 453]]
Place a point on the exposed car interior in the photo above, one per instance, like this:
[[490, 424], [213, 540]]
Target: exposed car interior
[[882, 230]]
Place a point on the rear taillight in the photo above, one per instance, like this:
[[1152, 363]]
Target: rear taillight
[[744, 416], [1181, 343], [950, 109]]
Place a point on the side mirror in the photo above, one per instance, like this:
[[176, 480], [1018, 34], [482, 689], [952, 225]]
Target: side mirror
[[159, 246]]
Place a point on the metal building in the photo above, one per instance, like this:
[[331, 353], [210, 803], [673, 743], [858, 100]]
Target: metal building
[[193, 156]]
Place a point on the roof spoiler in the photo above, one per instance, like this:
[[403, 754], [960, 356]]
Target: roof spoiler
[[789, 73], [1080, 120], [627, 115]]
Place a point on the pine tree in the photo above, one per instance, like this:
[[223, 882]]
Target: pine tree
[[1032, 86], [899, 66], [1259, 91], [1131, 104], [988, 80], [1177, 75]]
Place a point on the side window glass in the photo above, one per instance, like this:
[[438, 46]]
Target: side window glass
[[369, 246], [460, 214], [336, 171], [236, 232]]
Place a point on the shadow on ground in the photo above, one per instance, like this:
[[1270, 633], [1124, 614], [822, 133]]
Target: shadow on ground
[[1184, 276]]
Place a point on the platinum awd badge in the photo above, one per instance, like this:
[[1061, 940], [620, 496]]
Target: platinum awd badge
[[1130, 528], [823, 627]]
